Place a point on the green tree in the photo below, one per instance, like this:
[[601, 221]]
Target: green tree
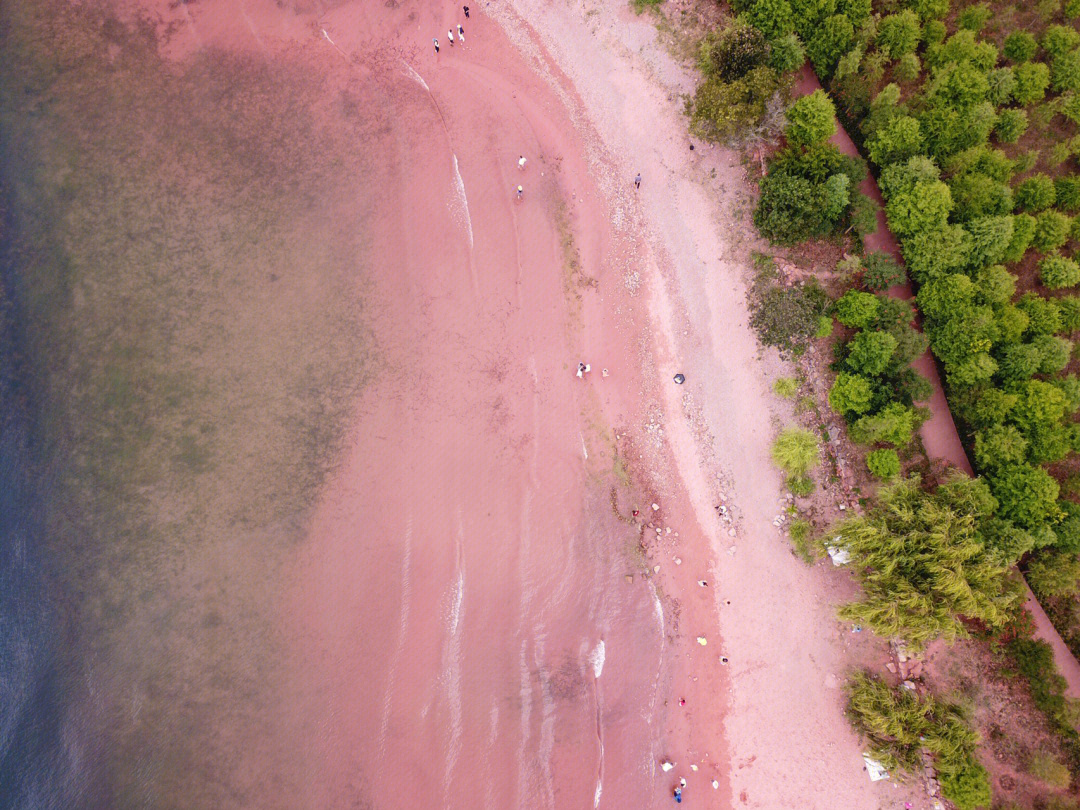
[[990, 240], [732, 52], [899, 33], [908, 68], [722, 110], [882, 272], [883, 464], [999, 445], [1001, 83], [1023, 231], [1032, 79], [788, 53], [925, 208], [897, 140], [1044, 316], [857, 309], [869, 352], [1058, 272], [828, 42], [1054, 573], [1020, 46], [1059, 39], [1027, 495], [922, 560], [1011, 125], [1051, 230], [894, 424], [1067, 193], [811, 119], [774, 18], [1065, 71], [1035, 194], [973, 18], [851, 394]]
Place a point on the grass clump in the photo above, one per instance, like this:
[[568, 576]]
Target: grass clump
[[796, 452], [786, 387], [1046, 767], [640, 6], [801, 532]]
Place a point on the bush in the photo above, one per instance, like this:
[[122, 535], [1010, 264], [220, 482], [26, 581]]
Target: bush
[[1035, 194], [1032, 79], [788, 53], [1069, 307], [801, 486], [1011, 125], [811, 119], [1072, 9], [734, 52], [1051, 230], [894, 424], [883, 464], [792, 209], [1020, 46], [786, 387], [1065, 72], [882, 272], [721, 110], [785, 316], [831, 40], [801, 533], [774, 18], [908, 68], [850, 394], [1057, 272], [1001, 82], [1023, 231], [898, 34], [1067, 193], [934, 33], [1026, 495], [1059, 39], [1045, 767], [968, 788], [857, 309], [795, 451], [1034, 661], [1054, 573], [869, 352], [973, 18]]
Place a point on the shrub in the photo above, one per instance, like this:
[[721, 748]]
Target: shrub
[[1067, 193], [1044, 766], [785, 316], [968, 788], [1072, 9], [786, 387], [850, 394], [1034, 661], [973, 18], [1057, 272], [1023, 231], [908, 68], [1020, 46], [1070, 107], [869, 352], [801, 486], [801, 533], [928, 547], [795, 451], [934, 33], [734, 52], [1065, 71], [721, 110], [1035, 194], [1011, 125], [901, 138], [788, 53], [792, 208], [894, 424], [1054, 573], [857, 309], [882, 272], [1051, 230], [1069, 307], [1026, 160], [883, 464], [898, 34], [1058, 39], [1001, 82], [774, 18], [1032, 79], [811, 119], [831, 40], [1026, 495]]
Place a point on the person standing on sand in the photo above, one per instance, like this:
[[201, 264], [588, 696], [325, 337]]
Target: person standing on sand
[[520, 191], [637, 180], [466, 10], [450, 34], [522, 162], [461, 33], [433, 39]]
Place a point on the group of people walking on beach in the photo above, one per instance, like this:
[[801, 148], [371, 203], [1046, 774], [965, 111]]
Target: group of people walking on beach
[[450, 32]]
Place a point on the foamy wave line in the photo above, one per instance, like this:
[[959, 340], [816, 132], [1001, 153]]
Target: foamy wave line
[[597, 657], [416, 76], [459, 186]]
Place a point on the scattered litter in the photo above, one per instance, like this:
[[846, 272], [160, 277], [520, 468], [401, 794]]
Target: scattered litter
[[702, 583], [667, 765], [604, 371], [667, 530], [678, 560], [655, 506], [723, 659], [874, 769], [731, 551], [838, 555], [715, 785], [658, 530], [682, 781], [629, 577], [702, 640], [856, 628], [693, 768], [679, 379], [656, 569], [842, 507]]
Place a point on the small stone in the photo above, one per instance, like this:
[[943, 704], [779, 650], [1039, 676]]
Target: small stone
[[723, 659], [667, 765], [842, 507], [731, 532], [693, 767], [676, 534], [678, 560], [667, 530], [731, 551], [715, 785], [891, 667], [702, 640], [655, 507], [629, 577], [656, 569]]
